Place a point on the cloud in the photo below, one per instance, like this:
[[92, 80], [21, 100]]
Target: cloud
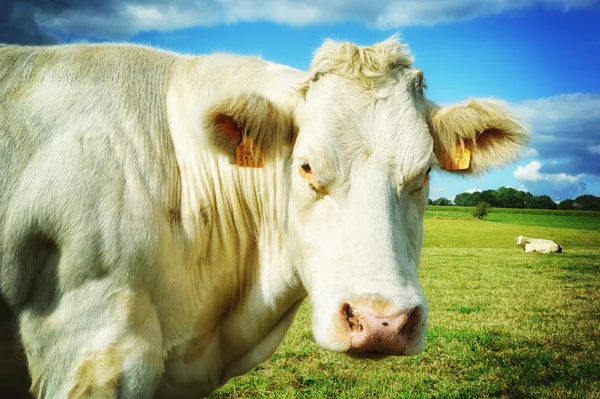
[[531, 172], [473, 190], [557, 185], [566, 132], [17, 25], [594, 149], [530, 153], [30, 21], [522, 188]]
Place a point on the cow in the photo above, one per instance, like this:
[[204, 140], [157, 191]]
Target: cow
[[538, 245], [163, 216]]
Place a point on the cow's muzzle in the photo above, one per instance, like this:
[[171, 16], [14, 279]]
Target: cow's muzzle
[[373, 333]]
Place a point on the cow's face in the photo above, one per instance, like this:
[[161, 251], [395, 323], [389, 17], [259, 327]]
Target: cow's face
[[356, 193], [360, 182]]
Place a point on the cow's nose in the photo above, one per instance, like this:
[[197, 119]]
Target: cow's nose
[[373, 334]]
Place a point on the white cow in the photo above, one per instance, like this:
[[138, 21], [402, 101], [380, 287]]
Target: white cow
[[538, 245], [142, 257]]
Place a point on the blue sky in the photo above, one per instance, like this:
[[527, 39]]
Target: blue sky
[[541, 56]]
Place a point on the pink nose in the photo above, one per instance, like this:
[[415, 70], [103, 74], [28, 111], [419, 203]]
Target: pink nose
[[375, 334]]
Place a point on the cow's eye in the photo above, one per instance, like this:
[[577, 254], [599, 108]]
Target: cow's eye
[[307, 174], [424, 181]]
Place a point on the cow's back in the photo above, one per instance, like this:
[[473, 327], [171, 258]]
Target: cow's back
[[80, 124], [49, 92]]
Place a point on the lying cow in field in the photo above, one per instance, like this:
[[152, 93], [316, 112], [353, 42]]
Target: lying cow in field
[[538, 245], [163, 216]]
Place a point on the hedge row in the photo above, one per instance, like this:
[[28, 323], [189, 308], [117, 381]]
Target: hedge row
[[469, 209]]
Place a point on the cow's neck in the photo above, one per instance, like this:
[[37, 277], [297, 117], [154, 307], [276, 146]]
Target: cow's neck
[[245, 288]]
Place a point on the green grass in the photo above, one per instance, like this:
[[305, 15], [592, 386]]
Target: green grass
[[502, 323], [571, 222], [547, 212], [538, 220]]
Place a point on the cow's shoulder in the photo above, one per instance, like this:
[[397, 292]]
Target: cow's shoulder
[[89, 178]]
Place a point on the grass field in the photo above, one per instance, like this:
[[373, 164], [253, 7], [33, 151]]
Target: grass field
[[501, 323]]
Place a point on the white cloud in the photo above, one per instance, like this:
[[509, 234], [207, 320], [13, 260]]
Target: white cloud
[[553, 115], [530, 153], [522, 188], [473, 190], [556, 185], [121, 19], [531, 172], [566, 130], [565, 143]]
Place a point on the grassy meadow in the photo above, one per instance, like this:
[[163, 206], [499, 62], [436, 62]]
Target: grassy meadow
[[501, 323]]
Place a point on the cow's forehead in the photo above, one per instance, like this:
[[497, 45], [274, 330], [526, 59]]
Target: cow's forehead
[[364, 103], [342, 123]]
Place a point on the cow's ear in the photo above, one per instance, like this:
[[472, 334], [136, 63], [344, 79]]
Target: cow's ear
[[227, 120], [491, 136]]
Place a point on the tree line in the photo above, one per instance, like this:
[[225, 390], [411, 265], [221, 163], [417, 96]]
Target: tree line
[[506, 197]]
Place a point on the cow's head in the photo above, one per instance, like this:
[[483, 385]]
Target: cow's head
[[367, 139]]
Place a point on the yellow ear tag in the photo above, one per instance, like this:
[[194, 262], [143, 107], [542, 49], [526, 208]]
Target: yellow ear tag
[[460, 161], [247, 155]]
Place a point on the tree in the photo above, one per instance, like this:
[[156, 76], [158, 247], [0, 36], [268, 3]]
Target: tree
[[488, 196], [525, 199], [442, 201], [542, 202], [462, 199], [467, 199], [508, 197], [587, 203], [481, 210], [566, 205]]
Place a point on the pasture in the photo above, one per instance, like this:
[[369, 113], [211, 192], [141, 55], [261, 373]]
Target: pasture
[[501, 323]]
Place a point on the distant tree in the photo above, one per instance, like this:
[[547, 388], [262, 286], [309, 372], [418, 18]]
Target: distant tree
[[525, 199], [481, 210], [587, 203], [429, 201], [475, 198], [508, 197], [548, 202], [442, 201], [488, 196], [566, 205], [542, 202], [462, 199], [466, 199]]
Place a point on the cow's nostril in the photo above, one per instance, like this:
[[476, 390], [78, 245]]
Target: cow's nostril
[[413, 320], [351, 318], [385, 324], [347, 309]]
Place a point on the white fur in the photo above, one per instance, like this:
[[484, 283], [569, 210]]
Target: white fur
[[538, 245], [119, 183]]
